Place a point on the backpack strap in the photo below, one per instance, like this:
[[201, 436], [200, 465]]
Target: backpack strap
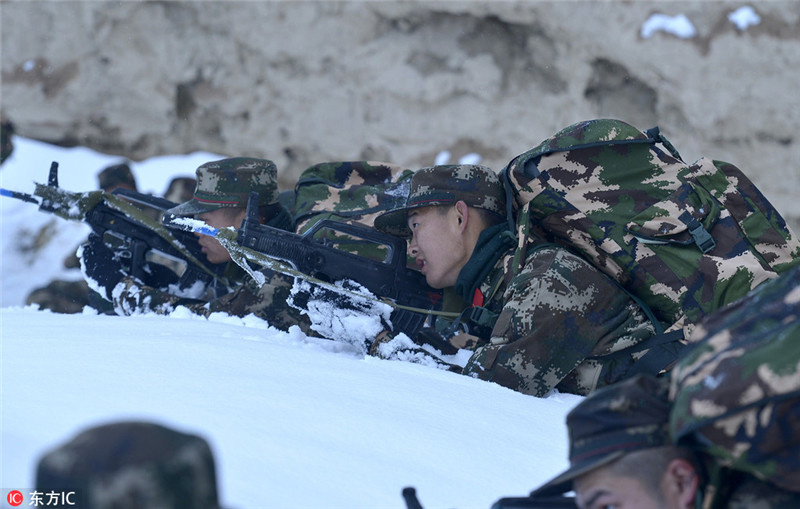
[[663, 351], [664, 347], [655, 134]]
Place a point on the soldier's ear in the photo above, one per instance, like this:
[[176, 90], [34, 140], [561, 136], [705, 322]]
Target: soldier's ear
[[238, 218], [462, 215], [681, 482]]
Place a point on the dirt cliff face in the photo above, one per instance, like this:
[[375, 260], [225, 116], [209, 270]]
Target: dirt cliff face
[[304, 82]]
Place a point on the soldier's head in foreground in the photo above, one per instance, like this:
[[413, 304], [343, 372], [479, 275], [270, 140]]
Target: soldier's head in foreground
[[131, 465], [221, 194], [448, 207], [620, 451]]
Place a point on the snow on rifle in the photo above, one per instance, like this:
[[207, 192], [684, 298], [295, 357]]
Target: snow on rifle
[[324, 261], [124, 221]]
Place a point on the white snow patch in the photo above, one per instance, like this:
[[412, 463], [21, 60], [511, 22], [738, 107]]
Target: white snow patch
[[679, 26], [744, 18]]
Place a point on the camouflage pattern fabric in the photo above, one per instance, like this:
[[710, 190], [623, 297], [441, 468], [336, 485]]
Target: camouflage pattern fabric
[[559, 318], [747, 492], [629, 416], [61, 296], [350, 190], [228, 183], [268, 301], [737, 393], [686, 239], [634, 415], [475, 185], [131, 465], [117, 175]]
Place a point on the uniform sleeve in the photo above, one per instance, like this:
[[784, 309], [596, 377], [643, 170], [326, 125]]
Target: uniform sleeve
[[131, 297], [268, 301], [557, 312]]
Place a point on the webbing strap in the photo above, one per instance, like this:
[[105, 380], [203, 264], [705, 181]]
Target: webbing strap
[[665, 349], [701, 237]]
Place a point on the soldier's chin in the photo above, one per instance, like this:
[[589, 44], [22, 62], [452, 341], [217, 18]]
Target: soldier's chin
[[438, 285]]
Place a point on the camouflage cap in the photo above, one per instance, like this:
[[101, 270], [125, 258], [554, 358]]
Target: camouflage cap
[[613, 421], [475, 185], [228, 183], [132, 464], [115, 176]]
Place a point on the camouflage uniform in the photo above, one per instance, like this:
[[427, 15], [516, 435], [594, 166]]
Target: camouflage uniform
[[634, 415], [116, 176], [551, 324], [130, 465], [226, 183], [61, 296], [736, 394]]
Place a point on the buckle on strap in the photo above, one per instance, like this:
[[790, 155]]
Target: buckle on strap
[[482, 316], [701, 237]]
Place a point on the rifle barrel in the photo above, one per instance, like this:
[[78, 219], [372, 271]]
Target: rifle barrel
[[18, 195]]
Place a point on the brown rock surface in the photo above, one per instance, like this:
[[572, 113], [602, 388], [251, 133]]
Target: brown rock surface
[[303, 82]]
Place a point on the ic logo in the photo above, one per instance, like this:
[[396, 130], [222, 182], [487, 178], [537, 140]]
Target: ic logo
[[14, 498]]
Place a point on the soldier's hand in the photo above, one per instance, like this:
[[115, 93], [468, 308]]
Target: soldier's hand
[[402, 348], [101, 271]]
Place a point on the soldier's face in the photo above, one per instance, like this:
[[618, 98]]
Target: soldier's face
[[605, 492], [220, 218], [605, 488], [437, 244]]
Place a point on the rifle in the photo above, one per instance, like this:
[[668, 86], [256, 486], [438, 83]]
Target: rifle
[[140, 244], [324, 255], [537, 502]]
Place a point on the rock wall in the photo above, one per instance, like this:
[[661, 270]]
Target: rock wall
[[304, 82]]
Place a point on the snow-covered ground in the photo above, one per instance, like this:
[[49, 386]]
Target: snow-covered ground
[[293, 421]]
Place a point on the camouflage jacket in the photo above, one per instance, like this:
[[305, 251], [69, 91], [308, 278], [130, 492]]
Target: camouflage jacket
[[558, 318], [267, 302], [743, 491]]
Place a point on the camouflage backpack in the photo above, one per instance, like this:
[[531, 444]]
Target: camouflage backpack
[[736, 394], [349, 192], [682, 239]]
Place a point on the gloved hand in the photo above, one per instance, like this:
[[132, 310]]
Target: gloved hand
[[402, 348], [99, 266], [341, 316]]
